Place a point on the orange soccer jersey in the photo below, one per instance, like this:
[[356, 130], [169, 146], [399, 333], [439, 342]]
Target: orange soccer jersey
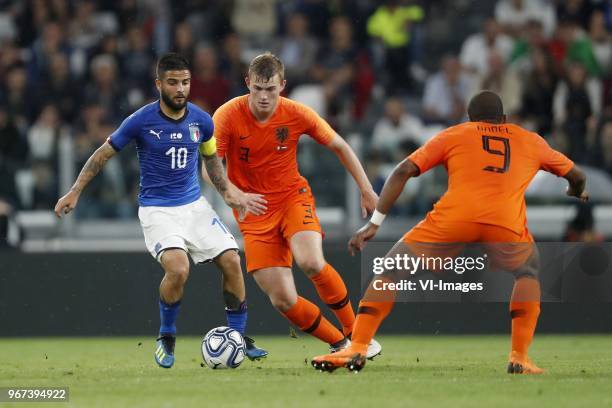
[[489, 168], [261, 157]]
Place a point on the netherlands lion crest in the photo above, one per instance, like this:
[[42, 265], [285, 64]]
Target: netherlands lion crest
[[282, 133]]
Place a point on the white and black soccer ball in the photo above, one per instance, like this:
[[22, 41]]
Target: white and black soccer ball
[[223, 347]]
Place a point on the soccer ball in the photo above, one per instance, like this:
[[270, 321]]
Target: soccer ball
[[223, 347]]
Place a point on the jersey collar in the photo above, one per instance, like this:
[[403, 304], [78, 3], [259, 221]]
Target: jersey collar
[[168, 118]]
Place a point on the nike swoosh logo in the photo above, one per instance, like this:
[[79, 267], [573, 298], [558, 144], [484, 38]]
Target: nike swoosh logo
[[244, 137]]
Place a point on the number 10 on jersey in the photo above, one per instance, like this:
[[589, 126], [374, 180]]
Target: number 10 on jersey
[[179, 157]]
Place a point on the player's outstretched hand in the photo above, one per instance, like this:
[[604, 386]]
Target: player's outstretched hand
[[369, 199], [67, 203], [583, 196], [245, 202], [359, 239], [252, 203]]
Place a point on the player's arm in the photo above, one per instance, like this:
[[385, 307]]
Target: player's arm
[[558, 164], [349, 160], [577, 184], [94, 164], [213, 173], [391, 191]]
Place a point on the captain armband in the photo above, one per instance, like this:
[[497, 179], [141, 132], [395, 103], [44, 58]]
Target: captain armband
[[209, 147]]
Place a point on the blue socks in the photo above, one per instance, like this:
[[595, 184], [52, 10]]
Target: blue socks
[[237, 319], [167, 315]]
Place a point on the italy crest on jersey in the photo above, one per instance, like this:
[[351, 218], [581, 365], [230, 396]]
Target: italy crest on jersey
[[194, 132]]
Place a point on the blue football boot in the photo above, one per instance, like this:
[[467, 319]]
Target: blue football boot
[[164, 353], [252, 351]]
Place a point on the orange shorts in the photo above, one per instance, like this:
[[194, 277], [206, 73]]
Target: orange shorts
[[507, 249], [266, 238]]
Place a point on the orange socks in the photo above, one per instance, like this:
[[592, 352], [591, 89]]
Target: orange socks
[[524, 310], [369, 316], [307, 316], [332, 291]]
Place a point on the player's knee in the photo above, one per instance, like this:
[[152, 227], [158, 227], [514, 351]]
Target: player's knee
[[229, 262], [178, 273], [311, 266], [283, 302]]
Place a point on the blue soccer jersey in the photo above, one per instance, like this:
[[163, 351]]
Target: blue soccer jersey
[[167, 152]]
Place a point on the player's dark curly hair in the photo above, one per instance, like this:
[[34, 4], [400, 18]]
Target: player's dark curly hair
[[171, 62], [265, 66]]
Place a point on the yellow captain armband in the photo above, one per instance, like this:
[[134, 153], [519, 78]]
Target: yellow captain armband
[[209, 147]]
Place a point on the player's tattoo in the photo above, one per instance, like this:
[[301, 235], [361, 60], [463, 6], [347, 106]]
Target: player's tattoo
[[231, 301], [94, 164], [215, 171]]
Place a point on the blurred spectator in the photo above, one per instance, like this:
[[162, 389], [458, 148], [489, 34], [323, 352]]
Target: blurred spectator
[[374, 160], [255, 20], [602, 156], [395, 127], [60, 89], [10, 55], [15, 96], [137, 61], [504, 82], [477, 48], [104, 89], [571, 44], [107, 194], [13, 157], [43, 140], [532, 40], [575, 100], [44, 134], [209, 89], [601, 41], [334, 66], [540, 84], [50, 42], [391, 24], [575, 10], [446, 93], [233, 66], [297, 49], [184, 42], [582, 227], [514, 14], [607, 10], [83, 30]]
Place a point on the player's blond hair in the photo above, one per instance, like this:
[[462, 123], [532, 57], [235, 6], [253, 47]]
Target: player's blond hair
[[266, 65]]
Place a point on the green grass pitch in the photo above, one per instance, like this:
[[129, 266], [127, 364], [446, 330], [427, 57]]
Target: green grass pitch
[[450, 371]]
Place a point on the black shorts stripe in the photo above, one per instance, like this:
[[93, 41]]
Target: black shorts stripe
[[340, 304], [367, 310], [315, 325]]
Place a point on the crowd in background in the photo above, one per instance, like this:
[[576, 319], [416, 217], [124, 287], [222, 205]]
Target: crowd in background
[[394, 71]]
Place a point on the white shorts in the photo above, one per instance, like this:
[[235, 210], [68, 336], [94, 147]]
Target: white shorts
[[195, 227]]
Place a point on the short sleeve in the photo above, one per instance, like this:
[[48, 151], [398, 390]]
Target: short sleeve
[[125, 133], [222, 129], [551, 160], [316, 127], [430, 154], [207, 128]]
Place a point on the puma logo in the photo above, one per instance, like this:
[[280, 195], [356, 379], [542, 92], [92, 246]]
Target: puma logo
[[152, 132]]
